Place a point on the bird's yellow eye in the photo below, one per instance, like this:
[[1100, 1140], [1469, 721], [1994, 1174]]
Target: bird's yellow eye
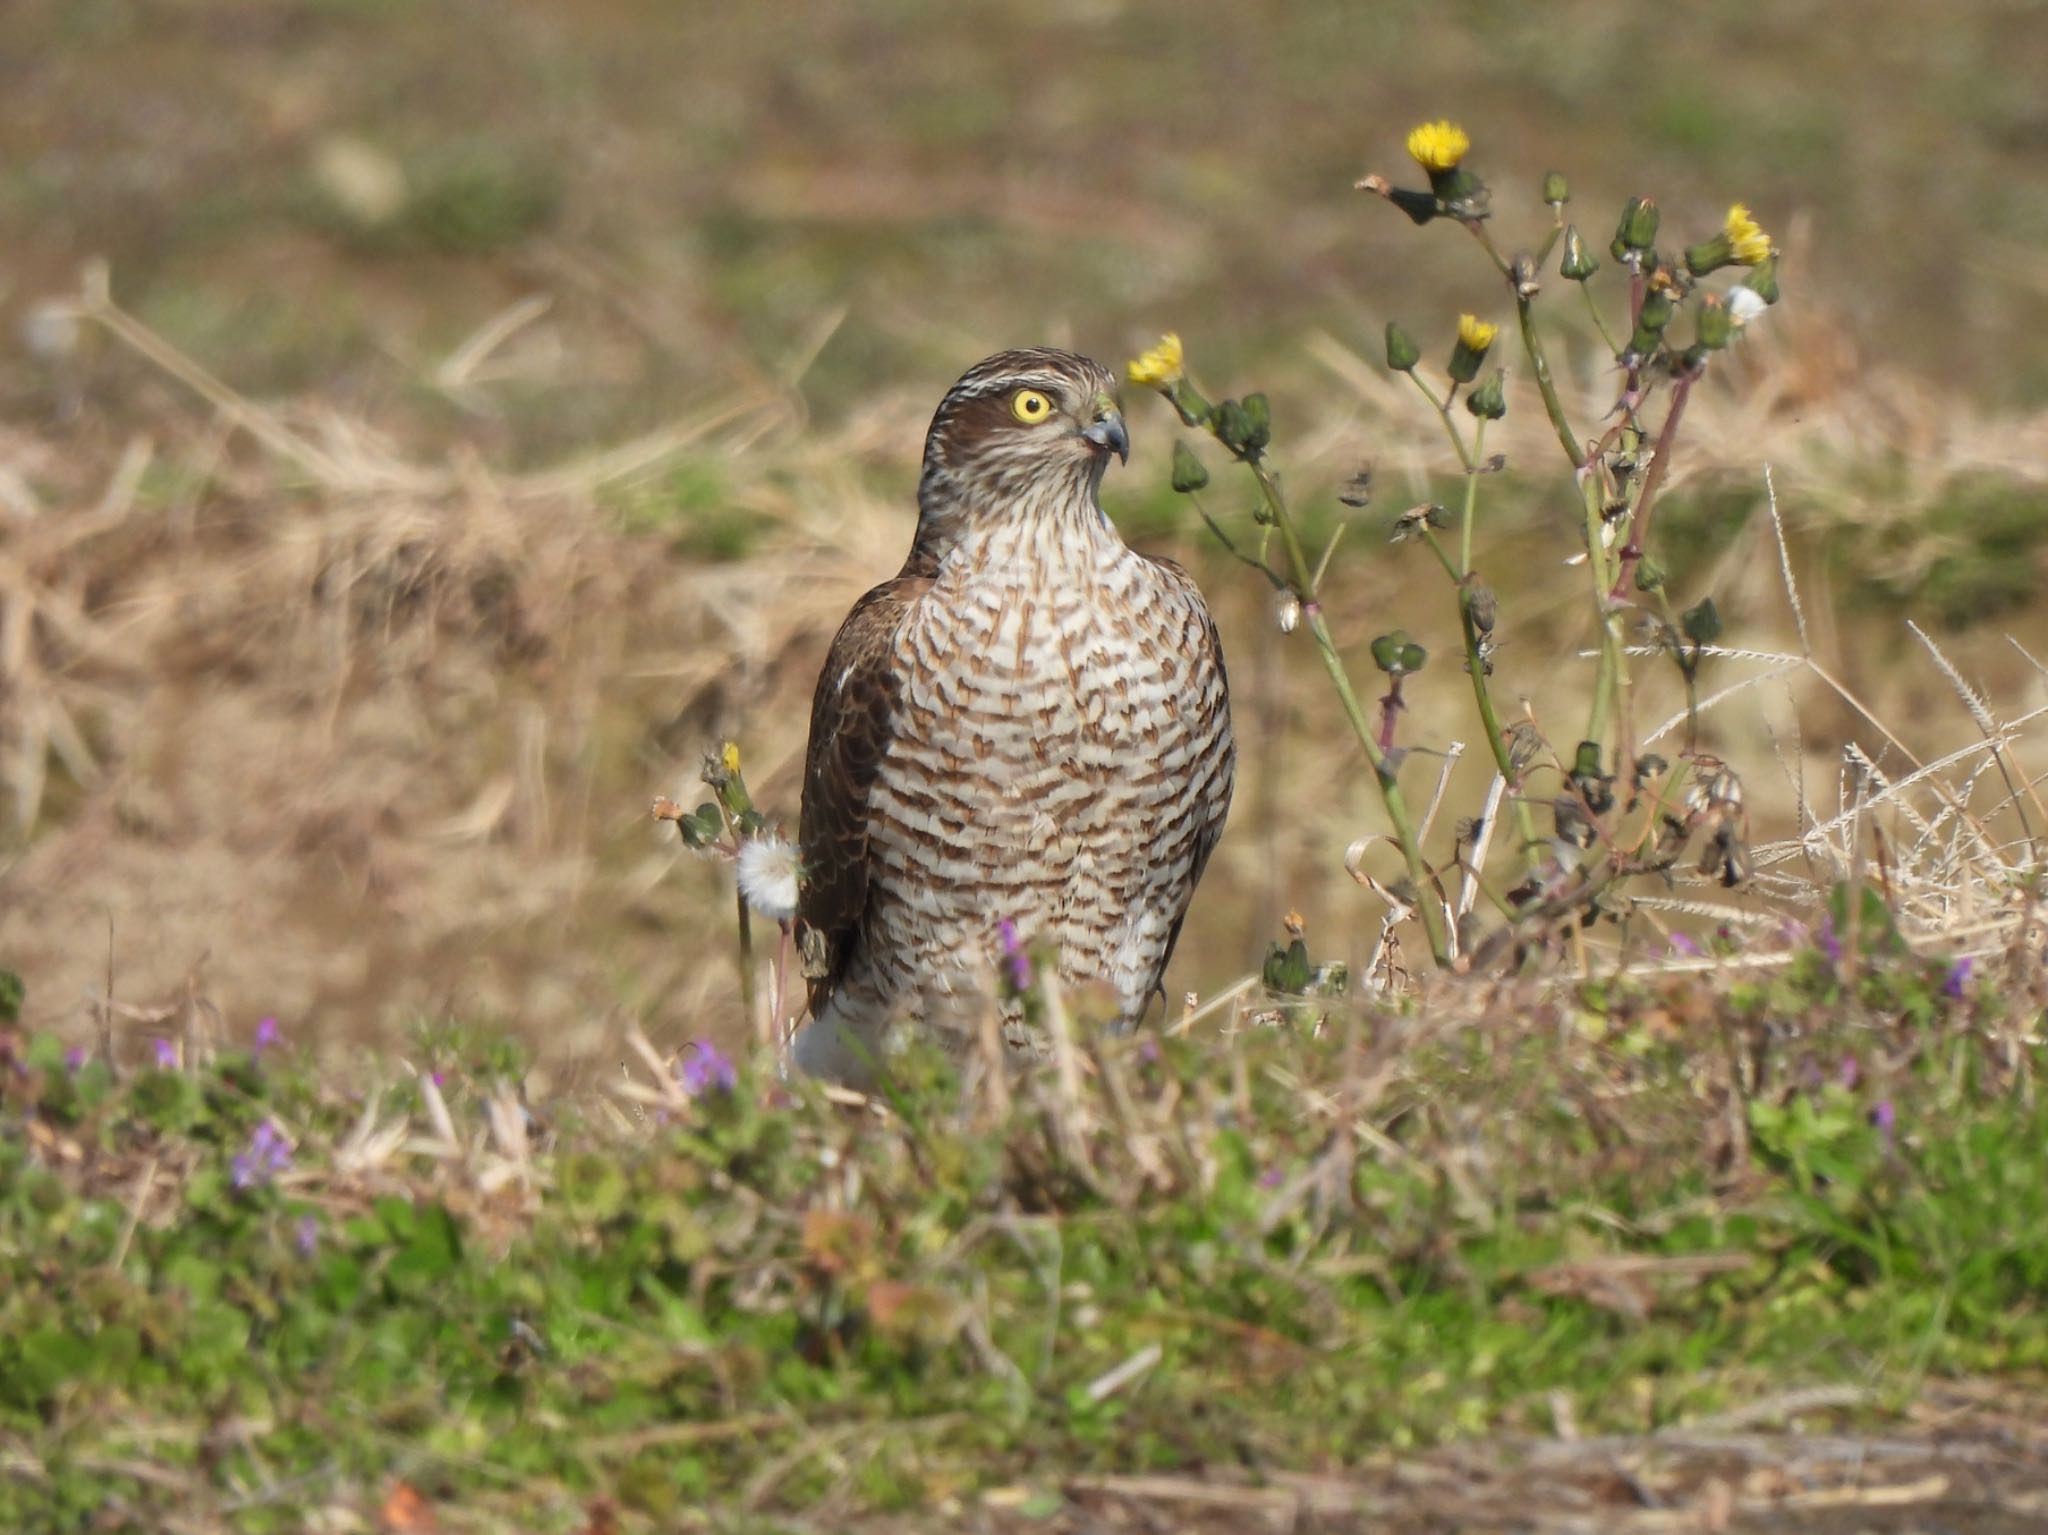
[[1029, 406]]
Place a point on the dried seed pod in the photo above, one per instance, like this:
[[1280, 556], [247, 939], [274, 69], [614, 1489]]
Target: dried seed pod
[[1572, 823], [1482, 605], [1522, 270]]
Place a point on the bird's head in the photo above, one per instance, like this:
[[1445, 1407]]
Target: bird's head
[[1019, 427]]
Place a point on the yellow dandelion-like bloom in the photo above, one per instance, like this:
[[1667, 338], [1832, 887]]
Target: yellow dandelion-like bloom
[[1475, 332], [1747, 242], [1160, 368], [1438, 146], [730, 756]]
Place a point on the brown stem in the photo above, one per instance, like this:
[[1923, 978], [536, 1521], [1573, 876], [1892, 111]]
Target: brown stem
[[1390, 706], [1639, 525]]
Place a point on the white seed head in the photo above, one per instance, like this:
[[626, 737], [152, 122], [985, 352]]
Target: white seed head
[[1744, 305], [50, 331], [768, 871]]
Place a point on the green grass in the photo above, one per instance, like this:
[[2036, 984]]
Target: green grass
[[1648, 1201]]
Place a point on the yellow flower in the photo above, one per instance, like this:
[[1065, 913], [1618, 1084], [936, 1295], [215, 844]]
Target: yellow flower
[[1747, 242], [1159, 368], [729, 754], [1475, 332], [1438, 146]]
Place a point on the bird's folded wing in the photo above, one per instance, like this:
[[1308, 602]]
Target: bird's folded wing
[[852, 719]]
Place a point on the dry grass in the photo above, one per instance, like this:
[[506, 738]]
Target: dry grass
[[302, 724]]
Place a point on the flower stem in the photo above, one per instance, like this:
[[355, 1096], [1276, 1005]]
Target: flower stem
[[1489, 716], [1443, 411], [1599, 320], [1442, 554], [1479, 233], [1611, 660], [1471, 496], [1391, 797], [1489, 720], [1639, 524], [1525, 311], [1257, 562], [746, 960]]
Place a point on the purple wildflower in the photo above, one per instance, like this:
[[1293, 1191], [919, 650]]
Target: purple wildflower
[[1851, 1072], [267, 1154], [1272, 1178], [706, 1067], [1015, 960], [1885, 1120], [440, 1078], [1148, 1050], [307, 1239], [74, 1058], [1680, 943], [166, 1055], [1958, 977], [267, 1035], [1830, 945]]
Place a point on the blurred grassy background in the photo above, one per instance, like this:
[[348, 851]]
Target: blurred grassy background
[[371, 750]]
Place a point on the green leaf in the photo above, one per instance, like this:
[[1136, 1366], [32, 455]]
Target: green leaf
[[431, 1250]]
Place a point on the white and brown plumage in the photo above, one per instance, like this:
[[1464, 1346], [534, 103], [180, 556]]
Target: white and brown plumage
[[1029, 723]]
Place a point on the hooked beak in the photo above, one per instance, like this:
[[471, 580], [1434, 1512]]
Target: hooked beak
[[1107, 431]]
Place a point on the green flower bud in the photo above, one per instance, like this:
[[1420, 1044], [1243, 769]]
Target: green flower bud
[[1188, 403], [1233, 427], [1188, 473], [1650, 575], [1708, 256], [1586, 762], [722, 776], [1579, 263], [1702, 624], [1637, 231], [1387, 649], [1243, 426], [1420, 207], [1462, 194], [1658, 308], [1556, 191], [1489, 401], [1402, 353], [703, 827], [1259, 415], [1288, 969], [1763, 279], [1413, 658], [1715, 324]]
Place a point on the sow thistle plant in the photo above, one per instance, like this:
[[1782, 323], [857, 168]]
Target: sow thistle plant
[[729, 828], [1592, 813]]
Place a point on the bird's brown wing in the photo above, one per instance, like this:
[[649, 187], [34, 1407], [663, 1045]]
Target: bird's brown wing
[[852, 719]]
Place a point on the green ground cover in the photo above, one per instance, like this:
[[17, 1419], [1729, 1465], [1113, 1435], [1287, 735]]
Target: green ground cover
[[249, 1291]]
